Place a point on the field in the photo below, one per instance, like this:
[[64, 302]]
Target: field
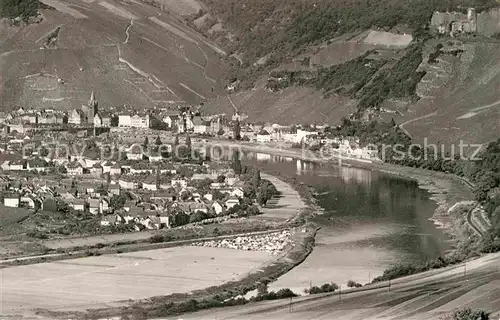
[[426, 296], [10, 218], [97, 281]]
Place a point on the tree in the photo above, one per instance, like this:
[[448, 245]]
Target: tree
[[188, 142], [180, 219], [117, 202], [158, 141], [157, 124], [198, 216], [353, 284], [256, 178], [176, 140], [237, 130], [220, 132], [221, 179], [253, 210], [146, 143], [236, 163], [393, 123], [217, 195]]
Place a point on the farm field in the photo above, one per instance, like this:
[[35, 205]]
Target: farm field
[[95, 282]]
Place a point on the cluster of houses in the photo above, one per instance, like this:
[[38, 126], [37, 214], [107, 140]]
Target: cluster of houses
[[177, 121], [158, 188]]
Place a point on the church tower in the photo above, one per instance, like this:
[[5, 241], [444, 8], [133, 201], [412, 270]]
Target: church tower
[[93, 105]]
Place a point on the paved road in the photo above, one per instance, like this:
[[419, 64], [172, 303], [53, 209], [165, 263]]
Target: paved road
[[475, 228]]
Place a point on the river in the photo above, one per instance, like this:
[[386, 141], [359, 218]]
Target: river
[[371, 221]]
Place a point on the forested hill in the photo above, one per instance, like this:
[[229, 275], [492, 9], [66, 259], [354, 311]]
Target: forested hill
[[282, 27]]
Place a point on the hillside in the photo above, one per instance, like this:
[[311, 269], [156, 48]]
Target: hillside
[[127, 52], [460, 97], [443, 97]]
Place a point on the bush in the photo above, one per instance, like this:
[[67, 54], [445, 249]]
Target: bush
[[468, 314], [353, 284], [280, 294], [37, 234], [157, 238], [327, 287]]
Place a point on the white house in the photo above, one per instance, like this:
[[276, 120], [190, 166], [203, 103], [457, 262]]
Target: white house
[[263, 136], [12, 201], [238, 193], [114, 189], [150, 183], [77, 204], [139, 121], [76, 117], [106, 166], [218, 208], [37, 164], [104, 205], [302, 134], [124, 120], [231, 202], [27, 201], [135, 153], [98, 120], [111, 219], [171, 120], [127, 183], [94, 206], [5, 166], [200, 126], [208, 197], [155, 158], [179, 182], [74, 168], [116, 169], [17, 165]]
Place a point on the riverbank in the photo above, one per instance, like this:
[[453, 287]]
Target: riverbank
[[444, 189]]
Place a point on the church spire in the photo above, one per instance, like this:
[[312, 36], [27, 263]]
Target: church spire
[[92, 96]]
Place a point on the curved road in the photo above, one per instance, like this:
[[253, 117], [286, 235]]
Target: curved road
[[475, 228]]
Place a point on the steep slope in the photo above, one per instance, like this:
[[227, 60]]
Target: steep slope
[[127, 52], [460, 97], [458, 93]]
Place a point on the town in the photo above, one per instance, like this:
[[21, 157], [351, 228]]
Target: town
[[124, 169]]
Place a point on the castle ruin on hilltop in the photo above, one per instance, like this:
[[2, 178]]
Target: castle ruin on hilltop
[[485, 23]]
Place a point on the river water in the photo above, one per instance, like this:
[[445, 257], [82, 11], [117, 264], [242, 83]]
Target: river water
[[371, 221]]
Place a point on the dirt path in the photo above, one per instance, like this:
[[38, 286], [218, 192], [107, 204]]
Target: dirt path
[[478, 110], [127, 33], [415, 120], [232, 104]]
